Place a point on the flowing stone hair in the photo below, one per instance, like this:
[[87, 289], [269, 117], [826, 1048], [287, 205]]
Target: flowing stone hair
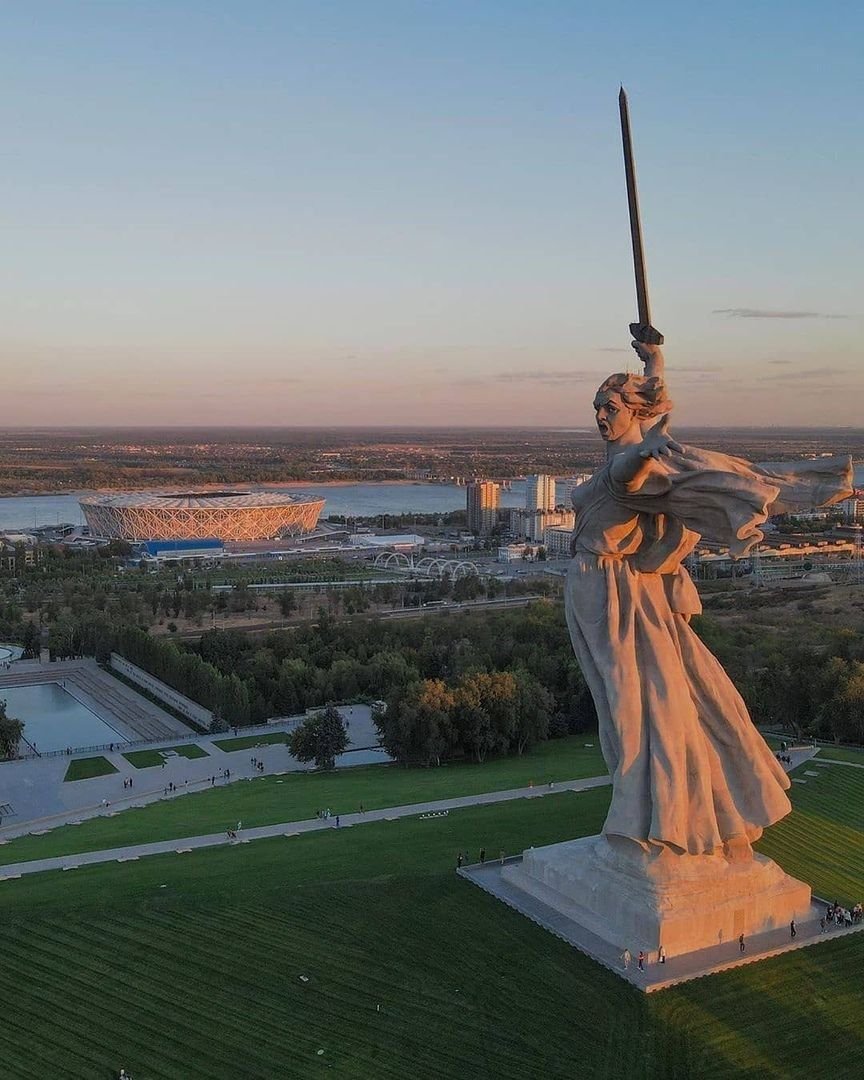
[[644, 395]]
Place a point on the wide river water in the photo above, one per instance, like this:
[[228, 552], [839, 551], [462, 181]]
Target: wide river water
[[350, 500]]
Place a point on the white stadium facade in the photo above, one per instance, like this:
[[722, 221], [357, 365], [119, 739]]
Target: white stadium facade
[[201, 515]]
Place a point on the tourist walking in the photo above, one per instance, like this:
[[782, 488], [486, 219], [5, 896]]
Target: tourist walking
[[625, 959], [741, 945], [460, 858], [641, 960], [661, 955], [793, 930], [482, 854]]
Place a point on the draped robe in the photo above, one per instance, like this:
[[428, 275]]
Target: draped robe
[[689, 769]]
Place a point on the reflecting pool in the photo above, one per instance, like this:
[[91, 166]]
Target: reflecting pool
[[54, 719]]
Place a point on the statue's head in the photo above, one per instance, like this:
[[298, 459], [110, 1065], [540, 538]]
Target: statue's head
[[624, 400]]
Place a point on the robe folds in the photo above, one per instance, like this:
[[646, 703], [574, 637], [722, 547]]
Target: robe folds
[[689, 769]]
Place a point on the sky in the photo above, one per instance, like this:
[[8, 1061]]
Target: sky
[[369, 212]]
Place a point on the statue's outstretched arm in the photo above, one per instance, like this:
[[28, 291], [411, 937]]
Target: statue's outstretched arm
[[651, 356], [629, 467]]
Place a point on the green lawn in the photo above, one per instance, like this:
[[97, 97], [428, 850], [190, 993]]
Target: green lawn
[[149, 759], [840, 753], [297, 796], [249, 742], [86, 768], [189, 965]]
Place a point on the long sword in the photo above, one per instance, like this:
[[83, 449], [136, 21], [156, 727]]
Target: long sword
[[642, 330]]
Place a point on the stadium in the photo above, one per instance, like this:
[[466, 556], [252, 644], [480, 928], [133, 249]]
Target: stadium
[[199, 515]]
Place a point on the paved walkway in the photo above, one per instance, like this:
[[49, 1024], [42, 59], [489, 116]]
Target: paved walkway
[[41, 799], [291, 828]]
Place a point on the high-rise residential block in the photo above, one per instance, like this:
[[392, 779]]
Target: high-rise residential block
[[540, 492], [482, 498]]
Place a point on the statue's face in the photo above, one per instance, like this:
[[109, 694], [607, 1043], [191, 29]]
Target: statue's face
[[614, 418]]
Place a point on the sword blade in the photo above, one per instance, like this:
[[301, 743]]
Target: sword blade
[[633, 206]]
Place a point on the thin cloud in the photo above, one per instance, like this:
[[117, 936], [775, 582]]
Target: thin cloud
[[779, 361], [557, 377], [612, 348], [809, 373], [763, 313]]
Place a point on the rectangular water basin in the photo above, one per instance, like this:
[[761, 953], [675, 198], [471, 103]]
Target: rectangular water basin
[[54, 719]]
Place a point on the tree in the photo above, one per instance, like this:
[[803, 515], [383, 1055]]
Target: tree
[[32, 642], [534, 706], [417, 723], [320, 739], [11, 731], [843, 713], [287, 603]]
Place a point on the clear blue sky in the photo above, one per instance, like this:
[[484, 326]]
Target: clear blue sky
[[414, 212]]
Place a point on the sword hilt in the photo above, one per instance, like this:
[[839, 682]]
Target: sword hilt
[[646, 334]]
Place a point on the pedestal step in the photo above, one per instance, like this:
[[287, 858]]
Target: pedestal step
[[682, 902]]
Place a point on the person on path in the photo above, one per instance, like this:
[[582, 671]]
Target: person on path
[[641, 960], [337, 821], [460, 858], [661, 955], [741, 945], [625, 959], [501, 856], [793, 930], [822, 925], [482, 854]]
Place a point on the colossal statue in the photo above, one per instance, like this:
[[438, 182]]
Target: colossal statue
[[693, 782]]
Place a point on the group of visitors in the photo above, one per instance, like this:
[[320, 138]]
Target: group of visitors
[[837, 915], [324, 815], [784, 759], [127, 783], [641, 959], [257, 764]]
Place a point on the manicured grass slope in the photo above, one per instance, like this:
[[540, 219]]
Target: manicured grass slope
[[265, 801], [249, 742], [88, 767], [201, 978], [149, 759], [842, 753]]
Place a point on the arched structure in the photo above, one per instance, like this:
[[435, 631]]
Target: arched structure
[[201, 515], [393, 560], [452, 568]]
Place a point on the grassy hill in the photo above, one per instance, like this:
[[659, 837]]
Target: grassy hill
[[189, 966]]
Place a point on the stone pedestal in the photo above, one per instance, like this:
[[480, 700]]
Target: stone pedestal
[[639, 901]]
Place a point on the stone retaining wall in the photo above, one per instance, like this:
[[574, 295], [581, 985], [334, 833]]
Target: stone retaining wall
[[182, 704]]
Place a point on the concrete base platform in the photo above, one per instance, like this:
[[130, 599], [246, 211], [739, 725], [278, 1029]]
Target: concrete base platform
[[647, 899], [496, 878]]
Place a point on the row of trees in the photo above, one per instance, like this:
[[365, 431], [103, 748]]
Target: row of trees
[[499, 712], [225, 694]]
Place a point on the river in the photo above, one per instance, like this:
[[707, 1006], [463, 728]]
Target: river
[[350, 500]]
